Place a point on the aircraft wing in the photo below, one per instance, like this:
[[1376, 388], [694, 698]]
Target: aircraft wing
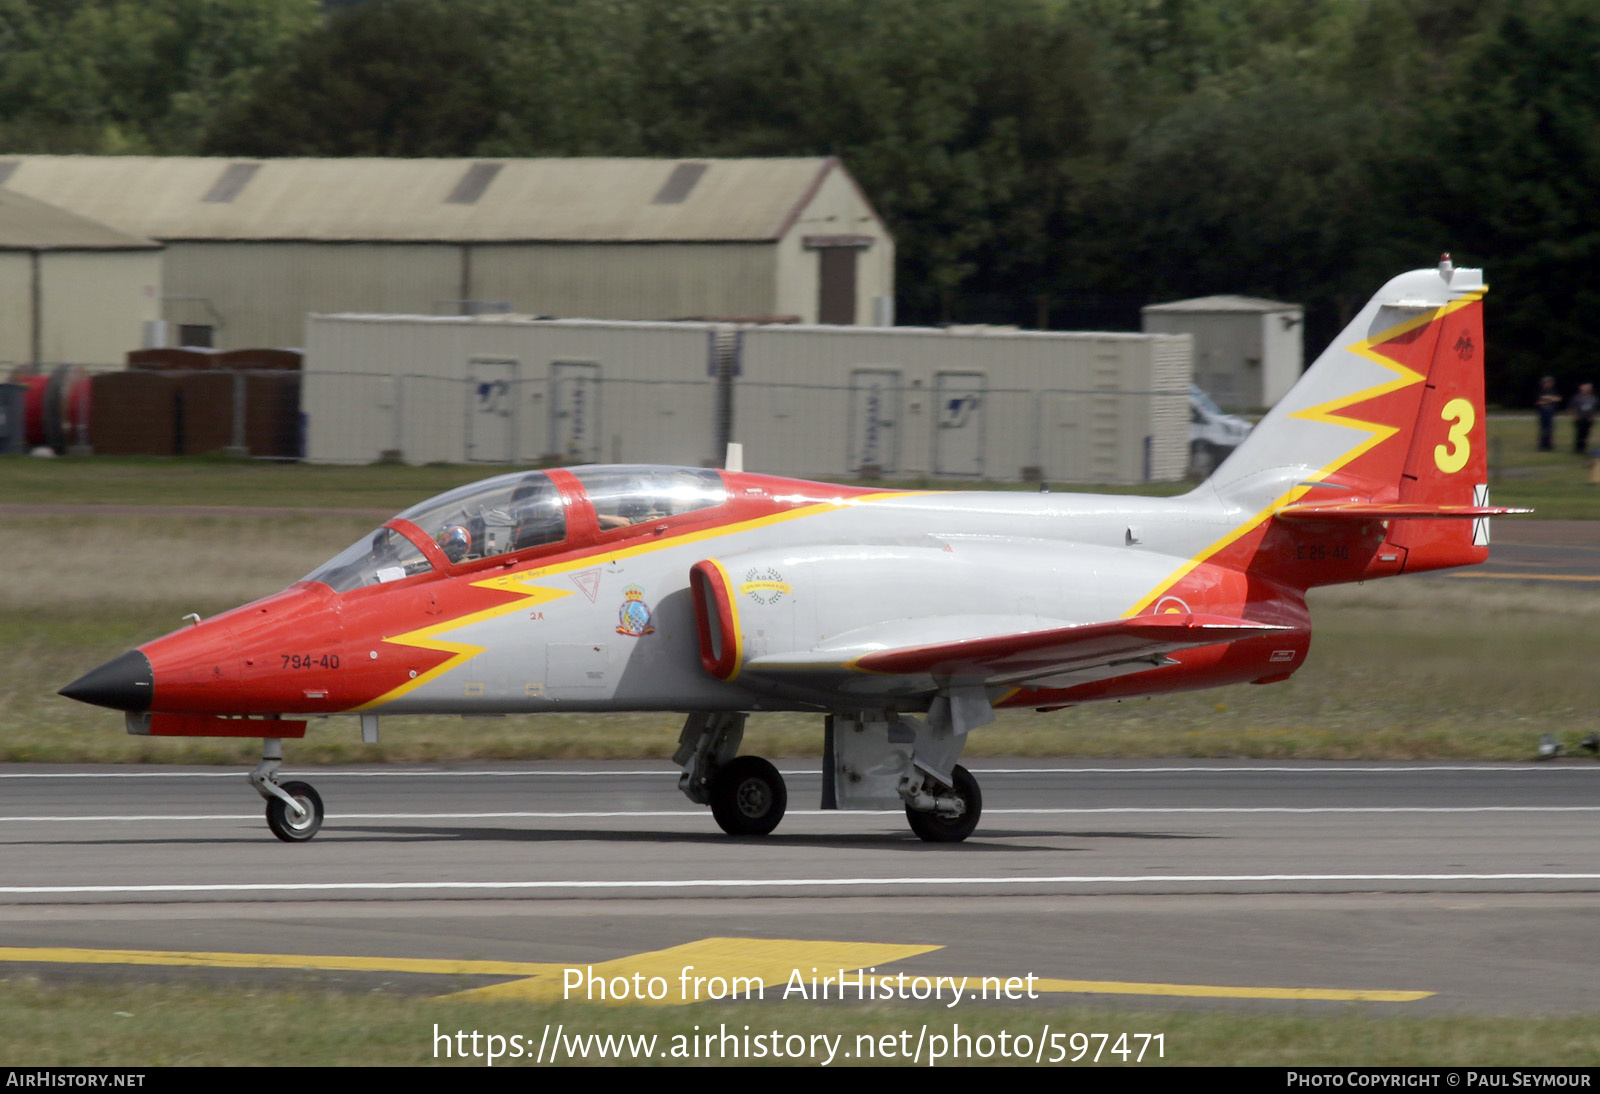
[[1010, 657]]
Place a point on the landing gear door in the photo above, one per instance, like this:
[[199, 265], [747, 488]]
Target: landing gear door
[[875, 420], [574, 412], [492, 411], [959, 423]]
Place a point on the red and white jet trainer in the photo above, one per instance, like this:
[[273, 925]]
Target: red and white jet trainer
[[905, 618]]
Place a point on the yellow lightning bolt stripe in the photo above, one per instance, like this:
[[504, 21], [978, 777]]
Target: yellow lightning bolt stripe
[[1327, 414], [519, 581], [425, 638]]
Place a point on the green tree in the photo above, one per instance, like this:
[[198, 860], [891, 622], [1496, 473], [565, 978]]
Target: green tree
[[388, 78], [1507, 169], [108, 76]]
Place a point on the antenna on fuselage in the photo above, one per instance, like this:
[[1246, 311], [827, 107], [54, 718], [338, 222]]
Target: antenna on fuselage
[[735, 460]]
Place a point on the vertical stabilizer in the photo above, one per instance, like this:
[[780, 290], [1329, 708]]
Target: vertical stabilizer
[[1391, 413]]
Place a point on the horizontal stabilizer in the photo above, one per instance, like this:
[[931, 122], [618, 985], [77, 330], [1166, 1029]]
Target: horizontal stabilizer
[[1396, 510], [1014, 657]]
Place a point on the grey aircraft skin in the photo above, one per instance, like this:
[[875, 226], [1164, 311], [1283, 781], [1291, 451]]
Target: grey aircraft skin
[[905, 618]]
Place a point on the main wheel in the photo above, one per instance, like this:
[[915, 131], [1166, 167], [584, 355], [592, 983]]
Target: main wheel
[[937, 828], [748, 797], [281, 819]]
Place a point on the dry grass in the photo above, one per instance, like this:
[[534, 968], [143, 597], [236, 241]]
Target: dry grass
[[60, 562]]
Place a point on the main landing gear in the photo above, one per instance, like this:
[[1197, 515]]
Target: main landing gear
[[888, 760], [882, 761], [748, 797], [746, 794], [294, 809], [943, 824]]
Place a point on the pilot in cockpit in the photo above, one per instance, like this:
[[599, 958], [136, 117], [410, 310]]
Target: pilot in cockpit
[[455, 541]]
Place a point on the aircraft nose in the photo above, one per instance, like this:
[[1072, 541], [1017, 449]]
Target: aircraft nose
[[124, 683]]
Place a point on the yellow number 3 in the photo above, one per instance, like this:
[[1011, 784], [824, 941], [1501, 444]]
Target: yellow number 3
[[1453, 459]]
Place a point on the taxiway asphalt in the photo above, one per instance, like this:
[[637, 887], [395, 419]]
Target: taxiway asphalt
[[1474, 886]]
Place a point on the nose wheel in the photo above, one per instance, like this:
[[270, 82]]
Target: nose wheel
[[294, 809], [285, 823]]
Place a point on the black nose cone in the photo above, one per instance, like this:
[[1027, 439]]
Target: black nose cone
[[123, 684]]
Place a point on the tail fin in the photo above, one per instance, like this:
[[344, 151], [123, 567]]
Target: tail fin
[[1391, 415]]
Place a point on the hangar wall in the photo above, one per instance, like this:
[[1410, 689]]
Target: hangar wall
[[804, 400], [258, 294], [627, 280], [838, 213], [16, 305], [92, 305]]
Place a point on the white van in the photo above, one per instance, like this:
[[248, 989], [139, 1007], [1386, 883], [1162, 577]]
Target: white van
[[1212, 434]]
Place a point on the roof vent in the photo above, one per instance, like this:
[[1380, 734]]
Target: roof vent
[[676, 189], [231, 183], [472, 184]]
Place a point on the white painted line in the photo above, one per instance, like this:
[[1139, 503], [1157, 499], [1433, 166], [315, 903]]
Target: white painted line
[[324, 773], [1509, 768], [667, 771], [767, 883], [334, 818]]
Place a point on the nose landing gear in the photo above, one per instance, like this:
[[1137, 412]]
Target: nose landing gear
[[294, 809]]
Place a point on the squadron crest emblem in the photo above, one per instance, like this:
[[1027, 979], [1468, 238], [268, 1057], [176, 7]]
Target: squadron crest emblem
[[633, 618]]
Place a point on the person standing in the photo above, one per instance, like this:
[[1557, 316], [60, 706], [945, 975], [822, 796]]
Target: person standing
[[1547, 403], [1584, 405]]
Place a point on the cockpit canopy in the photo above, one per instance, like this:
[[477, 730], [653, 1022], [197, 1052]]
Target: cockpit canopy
[[517, 512]]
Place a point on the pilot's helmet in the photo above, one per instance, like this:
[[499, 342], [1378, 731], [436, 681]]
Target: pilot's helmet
[[454, 541]]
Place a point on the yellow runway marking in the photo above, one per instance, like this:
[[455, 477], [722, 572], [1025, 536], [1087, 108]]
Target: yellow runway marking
[[1222, 991], [773, 961], [1529, 577]]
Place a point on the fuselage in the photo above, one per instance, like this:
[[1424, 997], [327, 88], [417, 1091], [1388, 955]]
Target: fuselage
[[604, 617]]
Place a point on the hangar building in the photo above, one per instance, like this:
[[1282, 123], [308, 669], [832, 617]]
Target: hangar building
[[71, 289], [253, 246]]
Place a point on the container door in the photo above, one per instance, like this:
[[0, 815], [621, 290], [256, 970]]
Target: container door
[[958, 433], [875, 420], [492, 412], [575, 411]]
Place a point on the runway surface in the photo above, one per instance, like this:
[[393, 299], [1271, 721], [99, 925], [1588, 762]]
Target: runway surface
[[1538, 550], [1416, 887]]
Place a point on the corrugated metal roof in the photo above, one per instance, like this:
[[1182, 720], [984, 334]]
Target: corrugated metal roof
[[516, 200], [30, 225], [1225, 303]]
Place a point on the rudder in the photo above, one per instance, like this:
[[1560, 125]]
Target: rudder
[[1448, 463]]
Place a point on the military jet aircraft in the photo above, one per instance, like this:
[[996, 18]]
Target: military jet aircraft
[[904, 618]]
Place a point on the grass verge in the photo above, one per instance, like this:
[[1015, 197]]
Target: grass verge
[[174, 1024], [1555, 484]]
